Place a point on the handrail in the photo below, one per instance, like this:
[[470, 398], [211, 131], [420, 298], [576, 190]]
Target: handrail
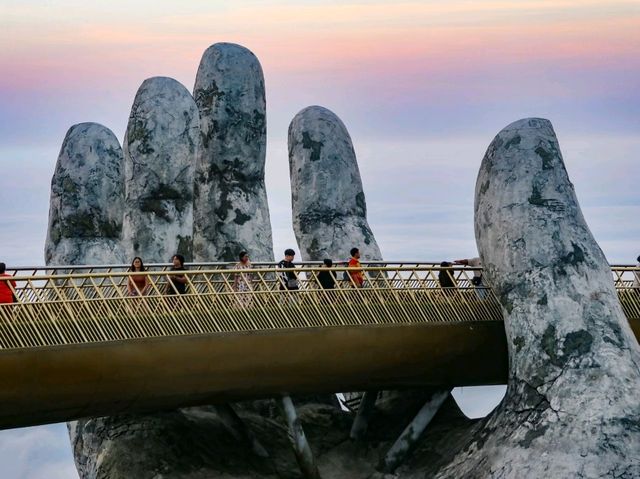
[[79, 308], [195, 265]]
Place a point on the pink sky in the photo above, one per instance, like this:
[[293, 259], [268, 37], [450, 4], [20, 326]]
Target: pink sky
[[454, 72], [442, 56]]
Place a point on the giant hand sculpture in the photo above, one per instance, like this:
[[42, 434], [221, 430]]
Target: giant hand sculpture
[[191, 179], [572, 407]]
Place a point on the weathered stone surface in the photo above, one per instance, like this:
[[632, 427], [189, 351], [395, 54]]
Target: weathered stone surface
[[231, 211], [329, 208], [572, 407], [160, 148], [198, 445], [185, 444], [87, 193]]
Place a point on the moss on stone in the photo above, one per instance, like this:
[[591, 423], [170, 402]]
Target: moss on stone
[[156, 207], [573, 257], [69, 186], [85, 225], [314, 146], [577, 343], [549, 345], [536, 199], [224, 206], [513, 142], [185, 246], [231, 251], [140, 134], [314, 250], [361, 203], [547, 158], [206, 98], [538, 430], [240, 218], [156, 201]]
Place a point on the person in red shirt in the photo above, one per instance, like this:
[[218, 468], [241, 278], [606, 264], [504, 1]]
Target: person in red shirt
[[6, 294], [357, 276]]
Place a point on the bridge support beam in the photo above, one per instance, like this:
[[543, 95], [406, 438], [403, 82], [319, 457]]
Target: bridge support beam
[[361, 421], [299, 441], [404, 444], [239, 429]]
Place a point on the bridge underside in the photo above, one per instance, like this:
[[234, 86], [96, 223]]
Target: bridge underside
[[56, 384]]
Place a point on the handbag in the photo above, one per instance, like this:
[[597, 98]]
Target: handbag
[[292, 283]]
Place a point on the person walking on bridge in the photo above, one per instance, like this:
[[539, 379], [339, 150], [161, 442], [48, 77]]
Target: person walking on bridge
[[288, 279], [242, 282], [357, 275], [327, 277], [6, 293]]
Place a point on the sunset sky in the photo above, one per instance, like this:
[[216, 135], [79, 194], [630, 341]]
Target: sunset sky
[[423, 87]]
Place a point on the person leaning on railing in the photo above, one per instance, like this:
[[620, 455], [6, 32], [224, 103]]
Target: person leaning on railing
[[477, 279], [445, 278], [177, 282], [138, 284], [6, 293]]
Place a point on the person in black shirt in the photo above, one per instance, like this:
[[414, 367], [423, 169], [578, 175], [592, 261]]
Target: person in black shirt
[[445, 278], [177, 282], [288, 279], [327, 277]]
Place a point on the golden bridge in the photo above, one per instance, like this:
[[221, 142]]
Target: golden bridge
[[76, 344]]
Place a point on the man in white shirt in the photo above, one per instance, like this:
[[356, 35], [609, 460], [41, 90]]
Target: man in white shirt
[[636, 279]]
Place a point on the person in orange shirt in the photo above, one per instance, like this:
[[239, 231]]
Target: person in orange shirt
[[6, 294], [357, 276]]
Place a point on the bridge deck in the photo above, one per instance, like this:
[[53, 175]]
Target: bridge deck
[[78, 345]]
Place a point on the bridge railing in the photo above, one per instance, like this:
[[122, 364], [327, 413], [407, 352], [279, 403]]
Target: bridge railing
[[94, 306]]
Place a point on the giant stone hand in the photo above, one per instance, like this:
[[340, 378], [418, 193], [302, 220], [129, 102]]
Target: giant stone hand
[[87, 195], [329, 208], [191, 179], [571, 408]]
